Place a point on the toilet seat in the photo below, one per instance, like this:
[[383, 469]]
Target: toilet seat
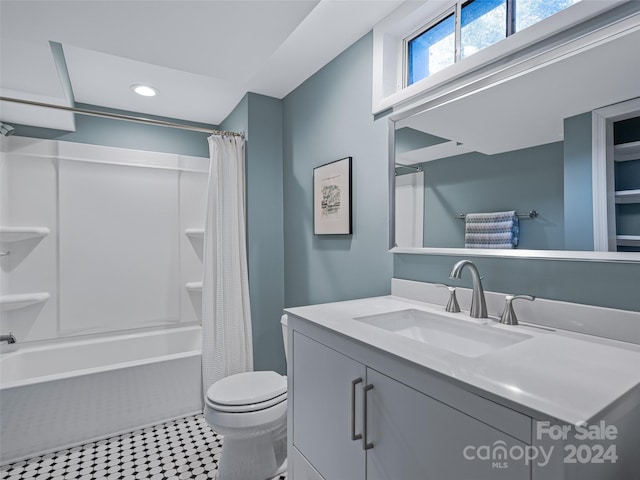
[[247, 392], [253, 407]]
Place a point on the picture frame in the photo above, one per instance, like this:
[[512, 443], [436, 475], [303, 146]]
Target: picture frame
[[332, 199]]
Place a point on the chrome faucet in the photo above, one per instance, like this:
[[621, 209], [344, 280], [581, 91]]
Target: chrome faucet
[[8, 338], [478, 304]]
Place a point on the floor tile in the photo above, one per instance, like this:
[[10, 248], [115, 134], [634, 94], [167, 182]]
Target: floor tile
[[185, 448]]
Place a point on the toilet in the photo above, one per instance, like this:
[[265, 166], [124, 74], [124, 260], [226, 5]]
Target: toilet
[[250, 411]]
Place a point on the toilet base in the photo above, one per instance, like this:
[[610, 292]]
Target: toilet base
[[256, 458], [282, 469]]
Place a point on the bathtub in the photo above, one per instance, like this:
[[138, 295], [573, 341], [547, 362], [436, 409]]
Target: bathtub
[[69, 392]]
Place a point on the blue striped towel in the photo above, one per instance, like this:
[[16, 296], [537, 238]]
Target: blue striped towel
[[492, 230]]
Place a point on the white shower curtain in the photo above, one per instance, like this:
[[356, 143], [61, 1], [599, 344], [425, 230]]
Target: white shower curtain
[[227, 346]]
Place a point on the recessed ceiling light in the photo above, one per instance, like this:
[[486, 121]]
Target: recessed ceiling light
[[144, 90]]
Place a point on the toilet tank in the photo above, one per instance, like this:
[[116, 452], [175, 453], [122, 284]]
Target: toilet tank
[[283, 321]]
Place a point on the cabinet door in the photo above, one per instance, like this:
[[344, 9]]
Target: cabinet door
[[415, 437], [322, 414]]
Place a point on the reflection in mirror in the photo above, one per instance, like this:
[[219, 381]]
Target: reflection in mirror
[[434, 196], [525, 144], [521, 180]]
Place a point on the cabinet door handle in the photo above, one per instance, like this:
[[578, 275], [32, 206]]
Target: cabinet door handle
[[354, 436], [365, 444]]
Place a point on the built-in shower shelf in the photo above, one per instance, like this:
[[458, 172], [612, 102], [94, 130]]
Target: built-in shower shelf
[[195, 233], [194, 286], [13, 302], [16, 234]]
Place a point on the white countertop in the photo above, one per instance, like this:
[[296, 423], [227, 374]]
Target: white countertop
[[568, 376]]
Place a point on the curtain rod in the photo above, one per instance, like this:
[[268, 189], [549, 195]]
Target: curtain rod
[[119, 116]]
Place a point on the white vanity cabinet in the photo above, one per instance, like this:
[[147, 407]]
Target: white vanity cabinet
[[322, 386], [415, 437], [409, 435], [367, 402]]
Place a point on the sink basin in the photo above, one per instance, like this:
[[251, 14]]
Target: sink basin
[[458, 336]]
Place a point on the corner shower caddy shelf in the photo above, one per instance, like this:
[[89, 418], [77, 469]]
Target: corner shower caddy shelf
[[22, 300], [16, 234], [14, 302], [193, 286], [195, 233]]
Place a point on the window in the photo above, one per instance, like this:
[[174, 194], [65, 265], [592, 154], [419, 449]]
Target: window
[[432, 50], [482, 23], [529, 12], [470, 27]]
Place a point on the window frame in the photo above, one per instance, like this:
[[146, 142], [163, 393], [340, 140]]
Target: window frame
[[456, 10], [390, 96]]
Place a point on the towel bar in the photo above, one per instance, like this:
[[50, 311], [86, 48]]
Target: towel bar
[[531, 214]]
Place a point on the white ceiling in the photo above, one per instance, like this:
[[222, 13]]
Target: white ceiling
[[203, 56]]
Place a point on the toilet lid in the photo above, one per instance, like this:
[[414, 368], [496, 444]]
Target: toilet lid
[[247, 388]]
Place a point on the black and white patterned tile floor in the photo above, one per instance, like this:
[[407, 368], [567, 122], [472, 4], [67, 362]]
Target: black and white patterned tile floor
[[185, 448]]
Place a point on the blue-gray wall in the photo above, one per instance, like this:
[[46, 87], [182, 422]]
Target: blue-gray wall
[[265, 230], [327, 118], [592, 283], [260, 118], [118, 133]]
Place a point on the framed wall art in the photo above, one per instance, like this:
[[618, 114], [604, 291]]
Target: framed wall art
[[332, 198]]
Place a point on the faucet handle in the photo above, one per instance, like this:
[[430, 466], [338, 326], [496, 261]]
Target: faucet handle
[[508, 316], [452, 304]]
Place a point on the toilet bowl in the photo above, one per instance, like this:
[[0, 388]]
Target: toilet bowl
[[250, 411]]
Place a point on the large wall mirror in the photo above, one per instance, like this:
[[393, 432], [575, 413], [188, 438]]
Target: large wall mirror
[[527, 143]]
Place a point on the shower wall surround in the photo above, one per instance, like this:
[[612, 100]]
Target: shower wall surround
[[117, 255]]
